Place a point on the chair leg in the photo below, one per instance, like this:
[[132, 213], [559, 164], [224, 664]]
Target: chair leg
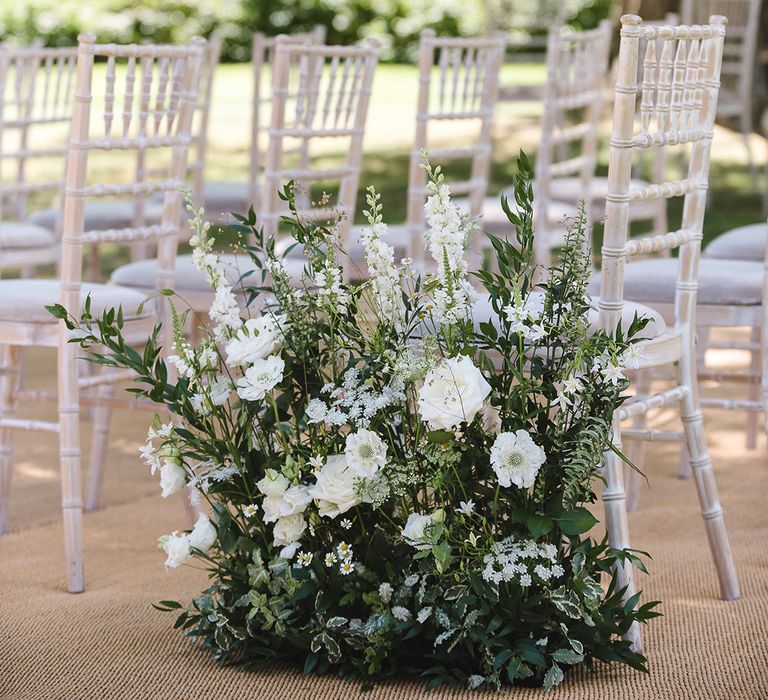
[[69, 454], [712, 512], [754, 390], [100, 440], [745, 122], [617, 527], [635, 450], [9, 379]]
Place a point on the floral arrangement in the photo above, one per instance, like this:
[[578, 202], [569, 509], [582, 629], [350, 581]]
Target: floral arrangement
[[396, 481]]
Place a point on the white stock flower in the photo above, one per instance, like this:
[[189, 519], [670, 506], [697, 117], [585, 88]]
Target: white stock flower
[[177, 548], [172, 478], [256, 339], [224, 311], [203, 535], [366, 452], [452, 393], [335, 490], [516, 459], [416, 529], [261, 377], [289, 530], [385, 279]]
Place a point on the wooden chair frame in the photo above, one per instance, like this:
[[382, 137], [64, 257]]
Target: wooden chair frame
[[35, 92], [302, 111], [677, 107], [160, 122]]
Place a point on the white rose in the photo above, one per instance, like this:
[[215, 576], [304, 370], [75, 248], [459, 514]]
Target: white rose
[[415, 530], [293, 500], [176, 546], [258, 338], [366, 452], [273, 484], [516, 459], [261, 377], [335, 491], [452, 393], [289, 530], [203, 535], [172, 478]]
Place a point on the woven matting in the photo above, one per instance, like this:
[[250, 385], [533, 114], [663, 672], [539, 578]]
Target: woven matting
[[109, 643]]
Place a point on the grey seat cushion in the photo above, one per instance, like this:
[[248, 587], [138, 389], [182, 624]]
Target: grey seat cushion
[[721, 282], [24, 235], [103, 214], [25, 300], [483, 311], [742, 243], [142, 274]]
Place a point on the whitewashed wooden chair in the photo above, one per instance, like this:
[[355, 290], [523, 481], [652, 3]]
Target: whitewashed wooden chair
[[35, 110], [160, 125], [678, 106], [320, 95], [577, 63], [326, 97], [739, 57], [652, 169], [458, 82], [222, 197]]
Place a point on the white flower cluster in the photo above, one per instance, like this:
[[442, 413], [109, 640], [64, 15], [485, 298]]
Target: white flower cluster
[[525, 317], [446, 237], [342, 555], [331, 289], [380, 258], [354, 402], [521, 561], [284, 505]]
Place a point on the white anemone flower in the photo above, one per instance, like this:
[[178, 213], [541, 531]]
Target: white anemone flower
[[366, 452], [516, 459]]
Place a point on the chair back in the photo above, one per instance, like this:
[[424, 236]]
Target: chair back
[[262, 54], [577, 65], [458, 82], [320, 97], [201, 118], [36, 88], [740, 42], [145, 105], [678, 100]]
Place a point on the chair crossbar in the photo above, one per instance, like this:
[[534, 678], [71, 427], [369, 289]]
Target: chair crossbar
[[637, 407], [36, 425], [660, 242], [649, 435], [126, 235], [138, 189]]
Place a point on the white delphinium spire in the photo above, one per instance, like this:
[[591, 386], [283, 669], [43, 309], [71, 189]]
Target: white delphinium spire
[[446, 234], [224, 311], [380, 258]]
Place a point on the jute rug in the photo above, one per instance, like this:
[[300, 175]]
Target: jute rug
[[109, 643]]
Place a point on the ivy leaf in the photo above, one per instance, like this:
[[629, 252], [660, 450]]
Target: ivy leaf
[[440, 437], [539, 525], [576, 522], [554, 676], [567, 656]]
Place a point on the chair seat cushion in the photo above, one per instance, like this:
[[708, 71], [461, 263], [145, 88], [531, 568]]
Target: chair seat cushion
[[142, 274], [224, 197], [483, 311], [742, 243], [25, 300], [721, 282], [103, 214], [24, 235]]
